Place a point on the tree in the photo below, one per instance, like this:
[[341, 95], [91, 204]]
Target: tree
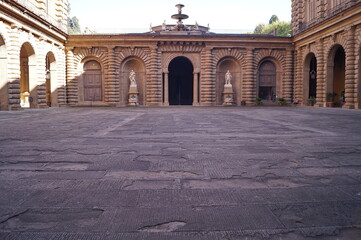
[[274, 27], [74, 26], [259, 28], [281, 28], [273, 19]]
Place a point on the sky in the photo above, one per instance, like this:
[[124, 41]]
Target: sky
[[131, 16]]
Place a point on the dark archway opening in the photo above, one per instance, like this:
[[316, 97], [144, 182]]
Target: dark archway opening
[[180, 81], [267, 81], [339, 76], [312, 91]]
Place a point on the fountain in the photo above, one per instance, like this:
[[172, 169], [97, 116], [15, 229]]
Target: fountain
[[180, 26]]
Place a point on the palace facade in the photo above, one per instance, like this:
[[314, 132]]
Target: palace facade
[[41, 65]]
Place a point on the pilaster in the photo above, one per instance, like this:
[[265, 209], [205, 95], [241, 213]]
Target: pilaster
[[288, 77], [112, 84], [71, 78], [207, 83], [154, 83], [351, 65], [249, 83], [13, 52], [321, 91]]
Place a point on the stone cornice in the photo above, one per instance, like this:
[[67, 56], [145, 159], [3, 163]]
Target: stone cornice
[[10, 11]]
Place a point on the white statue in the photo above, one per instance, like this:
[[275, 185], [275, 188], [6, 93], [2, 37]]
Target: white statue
[[228, 78], [133, 83], [164, 26]]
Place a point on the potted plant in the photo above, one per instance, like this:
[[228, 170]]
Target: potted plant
[[259, 101], [330, 99], [282, 102], [311, 101]]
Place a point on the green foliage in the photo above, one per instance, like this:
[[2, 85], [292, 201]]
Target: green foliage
[[282, 29], [273, 19], [282, 101], [259, 101], [259, 28], [73, 26], [311, 100]]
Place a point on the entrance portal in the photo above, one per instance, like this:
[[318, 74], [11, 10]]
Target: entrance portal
[[180, 81]]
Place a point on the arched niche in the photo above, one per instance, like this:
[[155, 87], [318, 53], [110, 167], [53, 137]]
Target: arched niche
[[269, 80], [309, 77], [336, 74], [138, 66], [51, 80], [28, 84], [228, 64], [3, 76], [91, 84]]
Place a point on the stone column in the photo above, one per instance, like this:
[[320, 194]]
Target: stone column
[[71, 77], [40, 68], [195, 89], [321, 75], [249, 91], [350, 76], [154, 83], [166, 89], [207, 80], [288, 78], [112, 84], [298, 86]]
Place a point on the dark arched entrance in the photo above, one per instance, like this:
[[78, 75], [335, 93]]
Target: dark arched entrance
[[180, 81], [336, 75], [312, 91], [267, 81]]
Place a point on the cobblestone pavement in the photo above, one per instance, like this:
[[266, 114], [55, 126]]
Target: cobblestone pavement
[[180, 173]]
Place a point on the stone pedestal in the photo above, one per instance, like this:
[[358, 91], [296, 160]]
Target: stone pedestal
[[228, 95], [24, 100], [133, 99]]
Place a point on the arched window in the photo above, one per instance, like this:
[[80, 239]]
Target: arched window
[[267, 81], [92, 80]]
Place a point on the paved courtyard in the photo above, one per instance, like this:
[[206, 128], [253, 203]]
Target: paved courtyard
[[180, 173]]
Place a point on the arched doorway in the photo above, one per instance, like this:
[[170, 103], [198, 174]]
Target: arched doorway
[[92, 81], [231, 65], [310, 77], [267, 81], [336, 74], [3, 76], [138, 66], [28, 95], [50, 77], [180, 81]]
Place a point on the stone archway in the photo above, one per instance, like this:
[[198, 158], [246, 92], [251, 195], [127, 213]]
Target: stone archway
[[267, 81], [28, 85], [225, 64], [92, 81], [51, 77], [3, 76], [310, 77], [336, 74], [180, 81]]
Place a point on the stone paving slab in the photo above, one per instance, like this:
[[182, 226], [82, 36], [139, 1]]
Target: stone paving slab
[[180, 173]]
